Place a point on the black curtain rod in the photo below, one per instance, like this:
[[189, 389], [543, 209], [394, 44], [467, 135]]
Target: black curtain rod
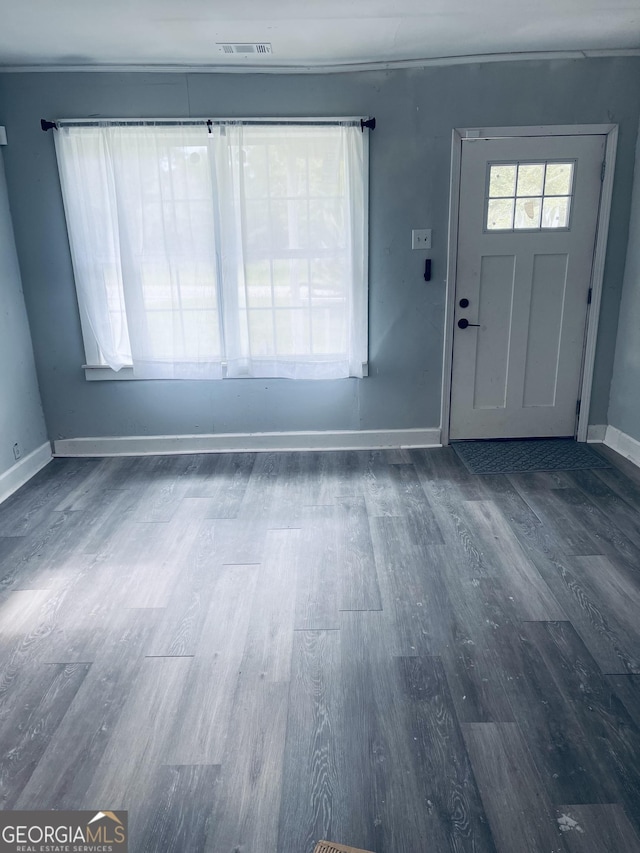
[[208, 123]]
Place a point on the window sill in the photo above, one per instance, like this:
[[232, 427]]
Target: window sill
[[103, 373]]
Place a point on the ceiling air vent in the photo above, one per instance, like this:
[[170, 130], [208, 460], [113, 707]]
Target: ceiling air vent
[[244, 48]]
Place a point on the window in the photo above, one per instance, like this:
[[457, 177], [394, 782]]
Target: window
[[237, 249], [528, 196]]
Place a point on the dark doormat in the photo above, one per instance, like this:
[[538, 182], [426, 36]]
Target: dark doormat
[[532, 454]]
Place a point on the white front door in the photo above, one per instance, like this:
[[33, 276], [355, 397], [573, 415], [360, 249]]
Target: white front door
[[526, 233]]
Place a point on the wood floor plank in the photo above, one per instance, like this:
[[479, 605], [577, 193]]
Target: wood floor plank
[[133, 474], [222, 477], [104, 527], [70, 762], [311, 804], [90, 609], [357, 578], [442, 765], [380, 495], [258, 500], [610, 503], [246, 809], [317, 577], [205, 709], [626, 486], [627, 689], [169, 483], [620, 463], [602, 628], [396, 490], [174, 814], [30, 713], [394, 801], [20, 614], [23, 512], [138, 741], [8, 544], [377, 764], [165, 560], [339, 476], [480, 658], [45, 559], [443, 466], [579, 732], [414, 597], [525, 590], [279, 486], [239, 541], [619, 604], [603, 528], [448, 487], [572, 537], [520, 813], [597, 624], [180, 624], [29, 619], [272, 610], [595, 828]]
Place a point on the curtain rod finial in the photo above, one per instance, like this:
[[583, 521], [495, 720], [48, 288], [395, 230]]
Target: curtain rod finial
[[370, 123], [47, 125]]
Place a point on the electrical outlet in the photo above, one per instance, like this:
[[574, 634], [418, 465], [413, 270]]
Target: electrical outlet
[[421, 238], [17, 451]]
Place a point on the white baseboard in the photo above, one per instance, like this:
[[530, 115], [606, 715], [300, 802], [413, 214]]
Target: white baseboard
[[596, 433], [623, 444], [143, 445], [24, 470]]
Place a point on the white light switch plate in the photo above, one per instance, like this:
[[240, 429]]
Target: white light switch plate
[[3, 136], [421, 238]]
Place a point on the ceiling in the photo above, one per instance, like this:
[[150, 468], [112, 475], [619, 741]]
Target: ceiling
[[304, 32]]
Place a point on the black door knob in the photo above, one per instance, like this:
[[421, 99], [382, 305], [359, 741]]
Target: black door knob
[[464, 303], [464, 323]]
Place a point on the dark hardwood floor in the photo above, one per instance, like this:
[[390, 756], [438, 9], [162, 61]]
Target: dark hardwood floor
[[252, 652]]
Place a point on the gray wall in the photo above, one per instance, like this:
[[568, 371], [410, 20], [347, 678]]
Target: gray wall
[[410, 159], [21, 418], [624, 406]]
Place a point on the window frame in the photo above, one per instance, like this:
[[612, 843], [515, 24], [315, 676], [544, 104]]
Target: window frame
[[538, 229]]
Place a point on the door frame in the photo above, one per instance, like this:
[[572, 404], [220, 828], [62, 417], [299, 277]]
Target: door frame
[[610, 131]]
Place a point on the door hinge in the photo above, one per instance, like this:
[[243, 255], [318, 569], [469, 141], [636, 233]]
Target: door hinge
[[578, 402], [589, 296], [603, 170]]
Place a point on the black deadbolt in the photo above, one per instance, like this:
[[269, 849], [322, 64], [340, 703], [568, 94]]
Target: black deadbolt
[[464, 303]]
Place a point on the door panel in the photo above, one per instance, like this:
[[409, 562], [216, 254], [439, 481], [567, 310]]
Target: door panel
[[526, 233], [548, 291], [492, 351]]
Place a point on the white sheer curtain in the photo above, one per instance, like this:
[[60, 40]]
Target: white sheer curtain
[[245, 245], [139, 206], [291, 202]]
